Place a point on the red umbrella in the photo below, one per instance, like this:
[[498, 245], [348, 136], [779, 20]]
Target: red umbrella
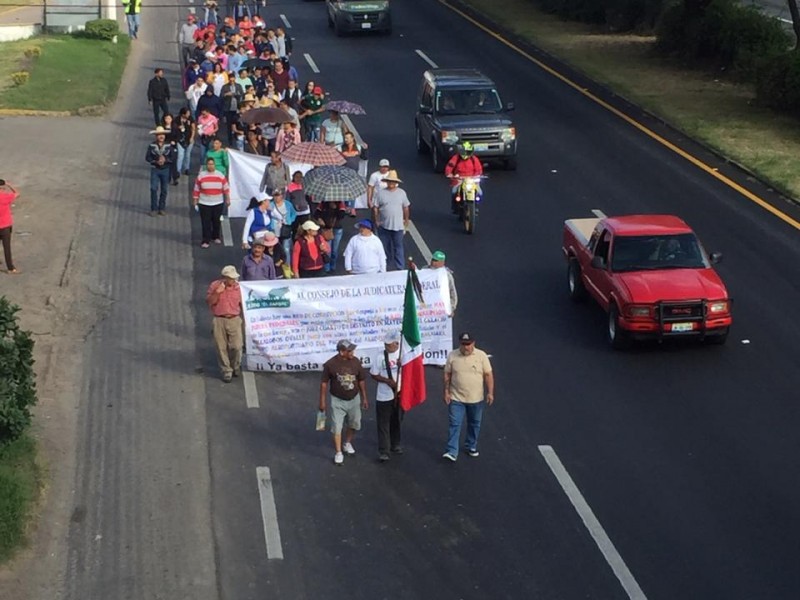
[[313, 153]]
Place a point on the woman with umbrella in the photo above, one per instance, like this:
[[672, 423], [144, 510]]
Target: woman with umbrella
[[333, 129], [297, 196], [353, 155], [330, 215]]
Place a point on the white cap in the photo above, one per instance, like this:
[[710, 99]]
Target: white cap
[[384, 162]]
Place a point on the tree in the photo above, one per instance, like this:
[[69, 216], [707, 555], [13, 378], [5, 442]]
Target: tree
[[17, 380]]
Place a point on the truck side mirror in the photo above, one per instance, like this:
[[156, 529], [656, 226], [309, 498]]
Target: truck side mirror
[[715, 258], [598, 262], [510, 106]]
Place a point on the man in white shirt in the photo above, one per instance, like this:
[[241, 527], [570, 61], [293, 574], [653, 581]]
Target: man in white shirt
[[388, 414], [376, 180], [364, 252]]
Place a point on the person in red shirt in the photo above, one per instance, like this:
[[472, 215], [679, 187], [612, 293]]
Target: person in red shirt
[[225, 301], [7, 196], [463, 163]]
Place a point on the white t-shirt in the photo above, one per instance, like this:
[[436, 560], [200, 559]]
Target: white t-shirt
[[376, 179], [384, 393]]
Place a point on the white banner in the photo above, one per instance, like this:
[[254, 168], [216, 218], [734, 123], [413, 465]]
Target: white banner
[[245, 174], [294, 324]]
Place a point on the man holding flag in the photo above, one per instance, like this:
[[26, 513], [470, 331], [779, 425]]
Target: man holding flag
[[388, 414]]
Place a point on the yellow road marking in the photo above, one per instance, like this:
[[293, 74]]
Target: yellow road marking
[[644, 129]]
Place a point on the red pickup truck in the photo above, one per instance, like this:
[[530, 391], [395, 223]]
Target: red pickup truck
[[651, 275]]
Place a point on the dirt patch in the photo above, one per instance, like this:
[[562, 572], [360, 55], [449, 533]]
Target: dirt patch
[[60, 204]]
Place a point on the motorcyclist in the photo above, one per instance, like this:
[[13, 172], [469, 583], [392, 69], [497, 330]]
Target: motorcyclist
[[463, 163]]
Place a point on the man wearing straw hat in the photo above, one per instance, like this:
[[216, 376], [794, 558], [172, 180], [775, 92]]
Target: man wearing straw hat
[[225, 301], [390, 211], [160, 155]]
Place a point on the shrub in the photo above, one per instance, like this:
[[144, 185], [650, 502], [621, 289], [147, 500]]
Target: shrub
[[34, 52], [17, 380], [101, 29], [725, 34], [629, 15], [20, 78], [778, 83], [586, 11]]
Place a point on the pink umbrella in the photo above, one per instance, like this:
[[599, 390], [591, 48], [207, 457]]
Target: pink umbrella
[[313, 153]]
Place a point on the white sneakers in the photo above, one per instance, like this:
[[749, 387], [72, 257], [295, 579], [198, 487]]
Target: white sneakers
[[348, 449], [338, 458]]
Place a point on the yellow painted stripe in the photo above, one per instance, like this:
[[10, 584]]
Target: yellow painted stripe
[[644, 129]]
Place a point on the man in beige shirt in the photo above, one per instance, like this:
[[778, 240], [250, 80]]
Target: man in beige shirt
[[466, 372]]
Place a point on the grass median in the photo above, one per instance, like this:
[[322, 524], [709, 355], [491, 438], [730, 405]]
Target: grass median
[[718, 112], [71, 73], [20, 482]]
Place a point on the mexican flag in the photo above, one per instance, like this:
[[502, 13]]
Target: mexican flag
[[412, 372]]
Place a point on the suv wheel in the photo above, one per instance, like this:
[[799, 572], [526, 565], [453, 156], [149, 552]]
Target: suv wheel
[[421, 148], [436, 159]]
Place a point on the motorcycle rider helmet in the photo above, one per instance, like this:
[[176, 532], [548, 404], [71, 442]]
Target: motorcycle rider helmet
[[465, 150]]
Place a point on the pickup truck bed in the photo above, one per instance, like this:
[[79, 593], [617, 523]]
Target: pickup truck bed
[[582, 229]]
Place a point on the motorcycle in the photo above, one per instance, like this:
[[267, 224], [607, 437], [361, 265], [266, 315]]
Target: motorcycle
[[467, 199]]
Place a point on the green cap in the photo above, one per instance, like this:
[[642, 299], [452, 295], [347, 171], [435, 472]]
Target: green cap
[[438, 255]]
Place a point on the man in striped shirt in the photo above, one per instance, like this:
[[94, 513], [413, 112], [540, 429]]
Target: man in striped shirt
[[211, 194]]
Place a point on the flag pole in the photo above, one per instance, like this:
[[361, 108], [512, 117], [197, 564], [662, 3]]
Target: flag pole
[[411, 267]]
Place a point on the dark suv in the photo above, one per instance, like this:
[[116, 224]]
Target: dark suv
[[458, 105]]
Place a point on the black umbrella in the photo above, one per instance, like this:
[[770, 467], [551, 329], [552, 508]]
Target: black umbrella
[[252, 63], [269, 114]]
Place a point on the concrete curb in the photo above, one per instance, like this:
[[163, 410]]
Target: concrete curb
[[22, 112]]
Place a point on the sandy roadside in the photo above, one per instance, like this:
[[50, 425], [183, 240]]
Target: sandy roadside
[[63, 171]]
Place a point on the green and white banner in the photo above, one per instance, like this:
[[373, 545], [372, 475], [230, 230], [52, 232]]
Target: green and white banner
[[293, 325]]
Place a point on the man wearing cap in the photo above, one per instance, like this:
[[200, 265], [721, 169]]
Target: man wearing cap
[[376, 180], [346, 378], [276, 174], [225, 301], [158, 95], [210, 195], [390, 211], [256, 266], [311, 108], [466, 372], [437, 262], [364, 252], [388, 413], [160, 155], [186, 38]]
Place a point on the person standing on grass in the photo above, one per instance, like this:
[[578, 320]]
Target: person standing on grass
[[466, 372], [225, 301], [158, 95], [210, 195], [132, 10], [160, 155], [7, 196], [346, 379]]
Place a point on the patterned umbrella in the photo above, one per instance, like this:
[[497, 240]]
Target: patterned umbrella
[[346, 108], [334, 184], [313, 153]]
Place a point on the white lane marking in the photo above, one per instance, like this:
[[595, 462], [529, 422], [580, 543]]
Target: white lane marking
[[286, 21], [599, 213], [412, 229], [311, 63], [250, 392], [426, 58], [417, 237], [227, 236], [594, 527], [269, 514]]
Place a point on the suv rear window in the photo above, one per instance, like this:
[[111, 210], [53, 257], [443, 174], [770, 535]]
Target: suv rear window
[[468, 102]]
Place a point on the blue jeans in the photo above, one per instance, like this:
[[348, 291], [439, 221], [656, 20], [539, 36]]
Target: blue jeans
[[393, 246], [334, 244], [474, 415], [133, 25], [287, 248], [158, 201]]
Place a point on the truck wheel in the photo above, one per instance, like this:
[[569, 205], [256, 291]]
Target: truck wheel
[[421, 147], [577, 290], [718, 340], [617, 336]]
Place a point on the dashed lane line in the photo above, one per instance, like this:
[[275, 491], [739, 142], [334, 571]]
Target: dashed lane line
[[227, 236], [594, 527], [426, 58], [250, 391], [286, 21], [269, 514], [419, 241], [311, 62], [599, 213]]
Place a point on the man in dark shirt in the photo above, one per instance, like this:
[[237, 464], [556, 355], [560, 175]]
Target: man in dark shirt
[[347, 380], [256, 266], [158, 95]]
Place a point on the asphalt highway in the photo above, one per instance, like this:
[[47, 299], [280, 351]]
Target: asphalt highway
[[687, 455]]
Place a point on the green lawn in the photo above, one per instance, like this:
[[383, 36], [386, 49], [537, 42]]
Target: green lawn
[[71, 73], [20, 481], [720, 113]]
